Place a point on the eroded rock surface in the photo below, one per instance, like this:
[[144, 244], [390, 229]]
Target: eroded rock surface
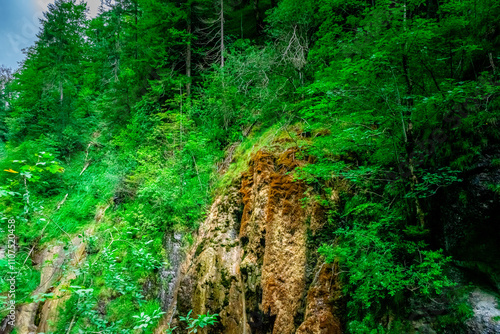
[[250, 261], [50, 260], [319, 317], [59, 265]]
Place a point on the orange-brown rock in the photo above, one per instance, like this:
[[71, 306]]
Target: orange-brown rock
[[251, 261], [320, 310]]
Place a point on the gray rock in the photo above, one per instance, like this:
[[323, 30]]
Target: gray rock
[[486, 308]]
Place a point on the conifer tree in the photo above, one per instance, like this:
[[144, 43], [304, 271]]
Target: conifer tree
[[49, 79]]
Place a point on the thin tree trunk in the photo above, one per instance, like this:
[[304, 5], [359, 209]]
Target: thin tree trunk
[[61, 92], [63, 114], [258, 20], [136, 13], [189, 53], [410, 147], [221, 33]]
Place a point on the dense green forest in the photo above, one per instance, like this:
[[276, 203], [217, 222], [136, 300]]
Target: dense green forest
[[152, 109]]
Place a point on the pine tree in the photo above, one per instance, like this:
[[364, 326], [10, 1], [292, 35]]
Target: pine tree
[[50, 78]]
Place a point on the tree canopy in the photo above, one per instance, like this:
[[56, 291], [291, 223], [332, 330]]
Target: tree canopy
[[400, 98]]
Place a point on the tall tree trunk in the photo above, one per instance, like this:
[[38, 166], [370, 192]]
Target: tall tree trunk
[[189, 53], [221, 33], [410, 141], [61, 92], [136, 13], [258, 19], [62, 112]]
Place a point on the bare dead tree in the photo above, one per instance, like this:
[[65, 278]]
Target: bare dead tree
[[294, 47], [209, 32]]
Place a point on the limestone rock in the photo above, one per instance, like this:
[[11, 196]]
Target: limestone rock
[[250, 260]]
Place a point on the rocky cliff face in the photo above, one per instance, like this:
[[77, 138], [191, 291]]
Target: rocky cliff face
[[251, 262], [254, 260], [59, 266], [40, 317]]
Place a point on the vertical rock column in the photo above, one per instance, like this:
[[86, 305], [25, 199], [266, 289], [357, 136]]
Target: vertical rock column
[[250, 262]]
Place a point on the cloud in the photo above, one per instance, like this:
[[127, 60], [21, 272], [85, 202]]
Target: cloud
[[41, 5], [19, 24], [93, 5]]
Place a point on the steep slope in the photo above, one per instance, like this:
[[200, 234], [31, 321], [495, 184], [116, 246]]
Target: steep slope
[[251, 261], [59, 265]]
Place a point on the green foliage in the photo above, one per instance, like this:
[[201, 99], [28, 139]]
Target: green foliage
[[21, 216], [45, 90], [431, 182], [458, 313], [42, 297], [392, 102], [118, 269], [398, 110], [381, 268], [145, 321], [202, 321]]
